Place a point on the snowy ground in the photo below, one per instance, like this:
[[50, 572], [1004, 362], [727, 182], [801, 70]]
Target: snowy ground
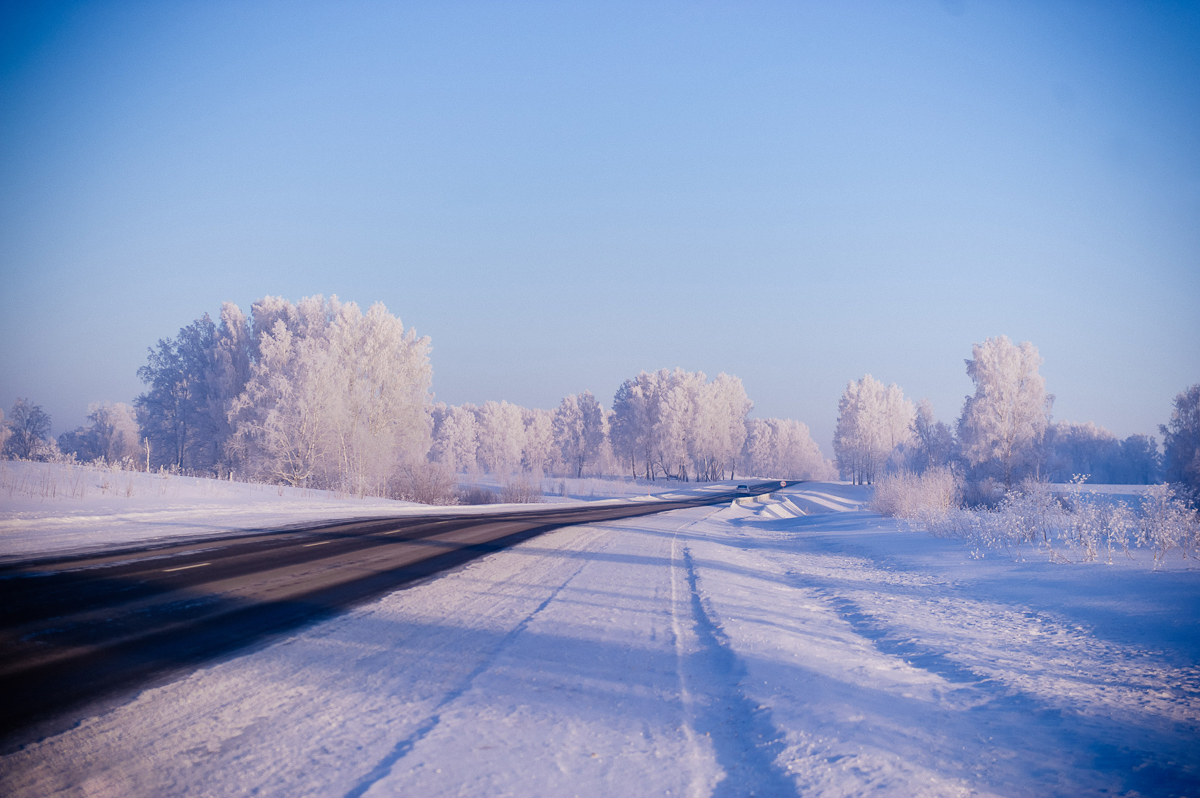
[[770, 648], [48, 508]]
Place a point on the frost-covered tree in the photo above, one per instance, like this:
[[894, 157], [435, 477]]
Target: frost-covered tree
[[579, 431], [281, 418], [382, 387], [630, 428], [1003, 423], [1141, 463], [718, 427], [193, 381], [5, 433], [674, 399], [29, 432], [501, 437], [455, 437], [1072, 450], [932, 444], [1181, 440], [783, 449], [873, 421], [676, 423], [335, 397], [111, 434], [538, 452]]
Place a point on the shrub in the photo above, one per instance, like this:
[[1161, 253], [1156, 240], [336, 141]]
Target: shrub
[[521, 490], [424, 482], [1077, 527], [918, 496], [477, 495]]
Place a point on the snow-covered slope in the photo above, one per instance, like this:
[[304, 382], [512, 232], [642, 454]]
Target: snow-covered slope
[[714, 651]]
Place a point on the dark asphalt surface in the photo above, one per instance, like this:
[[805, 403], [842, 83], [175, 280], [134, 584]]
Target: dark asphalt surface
[[76, 629]]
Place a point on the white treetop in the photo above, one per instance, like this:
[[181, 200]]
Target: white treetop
[[873, 420], [1004, 421]]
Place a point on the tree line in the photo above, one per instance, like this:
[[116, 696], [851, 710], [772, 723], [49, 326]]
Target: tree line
[[1005, 432], [320, 394]]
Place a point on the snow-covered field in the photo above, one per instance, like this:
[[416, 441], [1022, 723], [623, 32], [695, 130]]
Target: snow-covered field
[[805, 646], [48, 508]]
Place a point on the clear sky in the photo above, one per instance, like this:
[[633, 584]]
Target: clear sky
[[563, 194]]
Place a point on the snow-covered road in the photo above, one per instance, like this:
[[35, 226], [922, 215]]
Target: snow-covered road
[[733, 651]]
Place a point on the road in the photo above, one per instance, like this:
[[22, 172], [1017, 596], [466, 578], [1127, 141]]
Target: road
[[77, 629]]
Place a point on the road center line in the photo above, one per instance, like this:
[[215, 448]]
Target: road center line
[[185, 567], [318, 543]]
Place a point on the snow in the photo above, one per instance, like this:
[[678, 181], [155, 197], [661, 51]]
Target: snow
[[814, 648], [50, 508]]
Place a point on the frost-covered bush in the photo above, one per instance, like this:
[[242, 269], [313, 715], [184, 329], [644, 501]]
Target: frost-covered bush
[[477, 495], [424, 482], [1167, 523], [1080, 526], [1096, 525], [521, 490], [917, 496]]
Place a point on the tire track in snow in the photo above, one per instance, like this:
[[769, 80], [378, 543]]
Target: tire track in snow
[[741, 734], [384, 767], [1091, 740]]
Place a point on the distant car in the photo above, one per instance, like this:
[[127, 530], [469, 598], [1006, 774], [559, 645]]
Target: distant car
[[743, 488]]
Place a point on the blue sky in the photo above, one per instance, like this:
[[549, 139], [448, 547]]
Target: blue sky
[[561, 194]]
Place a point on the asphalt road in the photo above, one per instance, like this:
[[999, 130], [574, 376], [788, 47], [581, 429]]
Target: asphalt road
[[74, 630]]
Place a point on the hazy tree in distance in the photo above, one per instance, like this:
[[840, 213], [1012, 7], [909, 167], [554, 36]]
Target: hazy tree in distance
[[1181, 441], [111, 435], [783, 449], [1003, 423], [29, 432], [1141, 463], [933, 442]]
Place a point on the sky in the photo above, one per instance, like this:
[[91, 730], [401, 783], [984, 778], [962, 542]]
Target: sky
[[563, 194]]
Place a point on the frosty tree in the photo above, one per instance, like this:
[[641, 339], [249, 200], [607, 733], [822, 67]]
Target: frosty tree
[[676, 422], [579, 431], [873, 421], [932, 442], [111, 435], [719, 427], [539, 440], [1003, 423], [455, 437], [193, 381], [1181, 440], [316, 393], [28, 432], [501, 437], [784, 449]]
